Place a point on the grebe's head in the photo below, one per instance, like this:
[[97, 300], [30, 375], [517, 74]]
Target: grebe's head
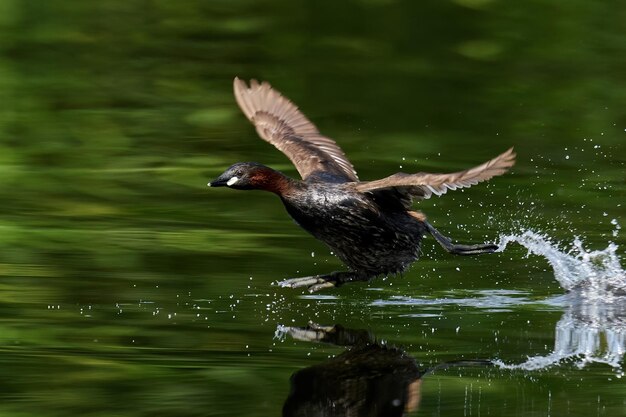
[[245, 176]]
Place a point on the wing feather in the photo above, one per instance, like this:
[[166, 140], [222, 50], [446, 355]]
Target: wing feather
[[279, 122], [423, 184]]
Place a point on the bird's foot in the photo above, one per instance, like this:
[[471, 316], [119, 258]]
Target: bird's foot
[[320, 282], [314, 283], [311, 333], [459, 249], [478, 249], [335, 335]]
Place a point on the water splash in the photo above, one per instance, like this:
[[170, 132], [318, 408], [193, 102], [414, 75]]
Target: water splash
[[593, 328], [595, 274], [588, 332]]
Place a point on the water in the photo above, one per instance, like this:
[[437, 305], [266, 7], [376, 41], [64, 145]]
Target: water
[[594, 274], [128, 288], [593, 328]]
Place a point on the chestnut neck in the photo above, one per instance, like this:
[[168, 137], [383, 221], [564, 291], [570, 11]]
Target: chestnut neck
[[267, 179]]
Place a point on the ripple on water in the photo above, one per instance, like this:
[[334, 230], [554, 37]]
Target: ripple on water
[[496, 300]]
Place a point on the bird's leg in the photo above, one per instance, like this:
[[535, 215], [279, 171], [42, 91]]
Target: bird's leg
[[447, 244], [320, 282]]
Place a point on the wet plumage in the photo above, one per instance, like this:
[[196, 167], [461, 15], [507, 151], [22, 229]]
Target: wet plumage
[[369, 225]]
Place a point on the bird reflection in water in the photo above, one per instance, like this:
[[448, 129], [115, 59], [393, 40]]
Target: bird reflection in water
[[368, 379]]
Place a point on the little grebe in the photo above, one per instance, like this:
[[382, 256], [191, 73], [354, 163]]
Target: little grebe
[[369, 225]]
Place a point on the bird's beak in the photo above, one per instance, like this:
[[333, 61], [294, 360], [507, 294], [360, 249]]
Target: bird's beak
[[224, 181], [218, 182]]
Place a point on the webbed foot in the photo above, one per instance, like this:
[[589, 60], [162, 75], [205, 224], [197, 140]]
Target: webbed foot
[[320, 282], [314, 283], [458, 249], [311, 333], [336, 335]]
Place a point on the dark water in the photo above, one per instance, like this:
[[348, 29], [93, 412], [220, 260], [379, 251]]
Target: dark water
[[128, 288]]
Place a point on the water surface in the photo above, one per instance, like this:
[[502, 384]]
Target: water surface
[[128, 288]]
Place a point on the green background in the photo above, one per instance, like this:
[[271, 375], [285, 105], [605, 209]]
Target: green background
[[128, 288]]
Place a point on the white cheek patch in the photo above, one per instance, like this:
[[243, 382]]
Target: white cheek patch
[[232, 181]]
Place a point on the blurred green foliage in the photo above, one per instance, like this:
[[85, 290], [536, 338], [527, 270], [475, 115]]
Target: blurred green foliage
[[125, 285]]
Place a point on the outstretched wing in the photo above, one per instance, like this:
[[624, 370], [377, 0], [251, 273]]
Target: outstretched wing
[[278, 121], [406, 187]]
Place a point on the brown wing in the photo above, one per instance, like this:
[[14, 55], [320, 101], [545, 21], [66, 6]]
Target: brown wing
[[423, 185], [278, 121]]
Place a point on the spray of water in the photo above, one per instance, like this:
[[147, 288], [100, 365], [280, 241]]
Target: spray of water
[[595, 274], [593, 329]]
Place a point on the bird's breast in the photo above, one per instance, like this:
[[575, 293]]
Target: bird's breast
[[329, 208]]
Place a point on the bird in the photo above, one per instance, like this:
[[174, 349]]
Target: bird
[[370, 378], [370, 225]]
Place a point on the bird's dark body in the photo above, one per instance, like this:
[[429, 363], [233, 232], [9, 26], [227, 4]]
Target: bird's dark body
[[369, 238], [369, 225]]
